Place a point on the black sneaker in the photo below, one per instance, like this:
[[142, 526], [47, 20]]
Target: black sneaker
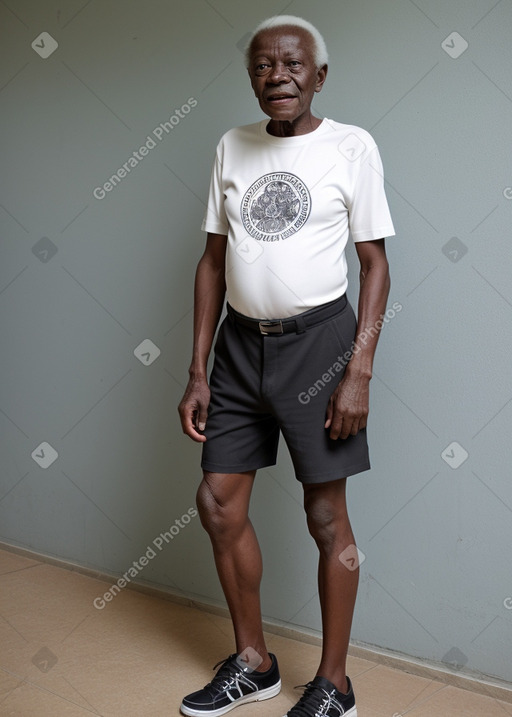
[[233, 685], [322, 699]]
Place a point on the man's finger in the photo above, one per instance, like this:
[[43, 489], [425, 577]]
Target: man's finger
[[346, 430], [187, 416], [329, 415], [202, 414], [351, 427], [336, 428], [190, 429]]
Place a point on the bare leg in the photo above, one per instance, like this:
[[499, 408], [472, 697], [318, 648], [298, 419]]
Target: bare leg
[[329, 524], [223, 503]]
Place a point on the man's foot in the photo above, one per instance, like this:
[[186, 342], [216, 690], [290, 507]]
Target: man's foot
[[322, 699], [233, 685]]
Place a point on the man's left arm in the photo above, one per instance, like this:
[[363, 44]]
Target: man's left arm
[[348, 407]]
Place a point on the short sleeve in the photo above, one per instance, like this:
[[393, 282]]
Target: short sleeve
[[369, 215], [215, 219]]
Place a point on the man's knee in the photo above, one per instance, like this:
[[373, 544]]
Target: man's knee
[[211, 511], [218, 509], [327, 521], [321, 524]]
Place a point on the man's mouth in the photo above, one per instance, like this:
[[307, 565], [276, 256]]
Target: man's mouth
[[280, 98]]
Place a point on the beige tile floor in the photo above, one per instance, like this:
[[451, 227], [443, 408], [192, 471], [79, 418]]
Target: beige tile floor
[[60, 656]]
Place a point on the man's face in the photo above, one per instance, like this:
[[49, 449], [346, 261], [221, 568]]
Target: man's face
[[283, 73]]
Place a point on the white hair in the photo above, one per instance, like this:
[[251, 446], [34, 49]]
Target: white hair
[[320, 49]]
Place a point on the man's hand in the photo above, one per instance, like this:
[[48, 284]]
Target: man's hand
[[193, 408], [347, 411]]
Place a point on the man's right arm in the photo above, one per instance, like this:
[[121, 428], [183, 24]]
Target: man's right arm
[[209, 293]]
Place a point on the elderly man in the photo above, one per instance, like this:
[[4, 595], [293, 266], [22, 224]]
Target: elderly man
[[290, 355]]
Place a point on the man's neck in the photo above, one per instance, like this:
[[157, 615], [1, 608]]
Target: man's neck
[[290, 129]]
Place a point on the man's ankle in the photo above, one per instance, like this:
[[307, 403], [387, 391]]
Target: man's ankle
[[266, 664], [339, 681]]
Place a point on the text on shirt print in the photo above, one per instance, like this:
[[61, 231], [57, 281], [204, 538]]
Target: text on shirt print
[[275, 206]]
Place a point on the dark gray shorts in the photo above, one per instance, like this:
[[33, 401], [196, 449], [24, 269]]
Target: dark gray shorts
[[263, 384]]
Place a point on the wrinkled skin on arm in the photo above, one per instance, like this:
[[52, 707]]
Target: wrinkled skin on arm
[[348, 407], [209, 293]]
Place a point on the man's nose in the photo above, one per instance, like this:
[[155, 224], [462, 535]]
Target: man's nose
[[278, 74]]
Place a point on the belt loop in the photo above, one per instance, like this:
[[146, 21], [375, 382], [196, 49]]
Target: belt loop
[[300, 324], [231, 315]]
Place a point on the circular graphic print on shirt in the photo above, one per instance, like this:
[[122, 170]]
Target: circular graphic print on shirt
[[275, 206]]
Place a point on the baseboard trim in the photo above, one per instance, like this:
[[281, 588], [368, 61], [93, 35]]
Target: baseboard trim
[[481, 684]]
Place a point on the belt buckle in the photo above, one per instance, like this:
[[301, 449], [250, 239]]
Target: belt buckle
[[271, 327]]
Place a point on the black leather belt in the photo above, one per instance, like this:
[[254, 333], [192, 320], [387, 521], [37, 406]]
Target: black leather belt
[[293, 324]]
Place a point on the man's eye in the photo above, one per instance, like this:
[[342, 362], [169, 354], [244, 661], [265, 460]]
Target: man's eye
[[261, 67], [294, 63]]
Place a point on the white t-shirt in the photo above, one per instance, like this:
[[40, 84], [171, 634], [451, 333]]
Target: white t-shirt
[[287, 205]]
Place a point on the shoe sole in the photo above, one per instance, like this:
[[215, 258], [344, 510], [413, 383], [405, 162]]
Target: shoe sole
[[253, 697], [351, 713]]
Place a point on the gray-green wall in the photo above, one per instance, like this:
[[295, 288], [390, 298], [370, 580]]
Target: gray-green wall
[[84, 281]]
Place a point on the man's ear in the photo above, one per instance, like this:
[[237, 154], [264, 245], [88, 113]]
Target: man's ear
[[321, 77]]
